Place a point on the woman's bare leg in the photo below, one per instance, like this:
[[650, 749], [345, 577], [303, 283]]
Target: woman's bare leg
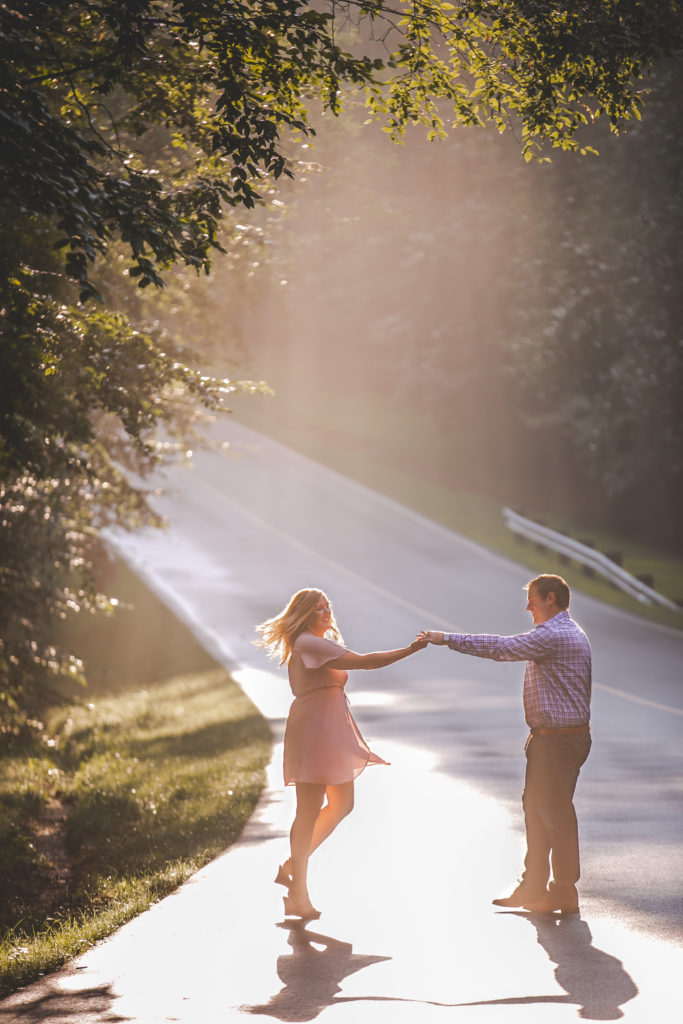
[[309, 799], [339, 804]]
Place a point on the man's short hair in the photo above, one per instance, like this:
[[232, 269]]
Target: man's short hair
[[547, 583]]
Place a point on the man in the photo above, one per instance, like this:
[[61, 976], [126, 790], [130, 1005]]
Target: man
[[557, 693]]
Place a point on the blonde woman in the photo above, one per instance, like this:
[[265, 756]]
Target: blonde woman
[[324, 750]]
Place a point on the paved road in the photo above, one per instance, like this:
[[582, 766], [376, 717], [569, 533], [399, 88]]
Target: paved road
[[407, 932]]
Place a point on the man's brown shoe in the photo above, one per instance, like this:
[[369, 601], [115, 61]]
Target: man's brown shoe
[[520, 897], [550, 904]]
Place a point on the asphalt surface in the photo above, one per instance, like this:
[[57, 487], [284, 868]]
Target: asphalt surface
[[407, 932]]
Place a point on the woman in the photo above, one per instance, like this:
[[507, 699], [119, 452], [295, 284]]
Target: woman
[[324, 751]]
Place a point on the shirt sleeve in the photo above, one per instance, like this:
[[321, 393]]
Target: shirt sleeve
[[532, 646], [316, 650]]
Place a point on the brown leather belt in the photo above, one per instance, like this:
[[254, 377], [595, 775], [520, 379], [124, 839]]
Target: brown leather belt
[[542, 731]]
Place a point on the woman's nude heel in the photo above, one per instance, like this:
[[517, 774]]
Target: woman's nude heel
[[296, 906], [283, 877]]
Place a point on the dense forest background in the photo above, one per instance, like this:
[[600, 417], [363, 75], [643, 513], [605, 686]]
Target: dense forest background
[[517, 327]]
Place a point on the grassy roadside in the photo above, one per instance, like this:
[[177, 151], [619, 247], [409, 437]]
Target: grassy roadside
[[127, 789], [398, 465]]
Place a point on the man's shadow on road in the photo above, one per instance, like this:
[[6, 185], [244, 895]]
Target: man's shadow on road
[[312, 973], [594, 980]]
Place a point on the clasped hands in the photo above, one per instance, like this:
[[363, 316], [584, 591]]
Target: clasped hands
[[428, 636], [432, 636]]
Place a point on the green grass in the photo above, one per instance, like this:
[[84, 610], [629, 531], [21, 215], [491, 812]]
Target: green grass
[[399, 459], [154, 771]]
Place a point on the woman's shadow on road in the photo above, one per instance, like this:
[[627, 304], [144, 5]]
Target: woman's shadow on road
[[312, 974]]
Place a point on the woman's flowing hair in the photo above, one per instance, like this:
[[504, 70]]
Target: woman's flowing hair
[[278, 634]]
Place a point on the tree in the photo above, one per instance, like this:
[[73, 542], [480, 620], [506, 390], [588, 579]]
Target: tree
[[128, 128], [87, 84]]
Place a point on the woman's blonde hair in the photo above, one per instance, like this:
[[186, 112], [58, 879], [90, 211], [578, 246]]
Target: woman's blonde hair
[[278, 634]]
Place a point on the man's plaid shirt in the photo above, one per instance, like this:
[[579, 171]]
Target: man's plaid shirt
[[557, 680]]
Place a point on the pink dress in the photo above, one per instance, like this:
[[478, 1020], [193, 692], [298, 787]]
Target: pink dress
[[322, 741]]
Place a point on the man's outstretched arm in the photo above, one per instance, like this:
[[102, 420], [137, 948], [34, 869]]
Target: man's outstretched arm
[[523, 647]]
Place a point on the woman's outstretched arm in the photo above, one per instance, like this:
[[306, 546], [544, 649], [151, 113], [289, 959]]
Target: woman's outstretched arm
[[378, 659]]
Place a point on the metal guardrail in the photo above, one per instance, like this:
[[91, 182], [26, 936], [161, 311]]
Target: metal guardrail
[[586, 556]]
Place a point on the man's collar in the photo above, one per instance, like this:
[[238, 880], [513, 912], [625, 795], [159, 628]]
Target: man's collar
[[557, 615]]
